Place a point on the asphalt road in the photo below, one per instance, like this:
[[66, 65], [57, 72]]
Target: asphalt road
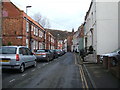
[[63, 72]]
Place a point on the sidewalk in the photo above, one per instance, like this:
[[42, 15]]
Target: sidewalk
[[98, 75]]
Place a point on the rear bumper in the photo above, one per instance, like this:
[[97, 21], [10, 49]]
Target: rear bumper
[[41, 58], [10, 66]]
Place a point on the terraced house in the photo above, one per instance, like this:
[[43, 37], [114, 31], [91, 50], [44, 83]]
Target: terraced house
[[101, 27], [20, 29]]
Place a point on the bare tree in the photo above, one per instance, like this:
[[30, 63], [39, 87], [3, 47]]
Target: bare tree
[[41, 20]]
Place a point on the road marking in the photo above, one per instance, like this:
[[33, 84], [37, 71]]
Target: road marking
[[33, 70], [39, 67], [24, 74], [84, 82], [82, 79], [86, 85], [12, 80]]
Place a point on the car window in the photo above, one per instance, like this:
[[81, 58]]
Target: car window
[[20, 51], [28, 51], [39, 51], [23, 51], [8, 50]]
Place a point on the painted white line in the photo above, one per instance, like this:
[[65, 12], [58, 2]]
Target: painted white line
[[24, 74], [12, 80], [33, 70]]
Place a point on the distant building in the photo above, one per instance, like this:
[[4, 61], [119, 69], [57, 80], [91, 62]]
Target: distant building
[[75, 42], [60, 44], [69, 43], [81, 37], [50, 41]]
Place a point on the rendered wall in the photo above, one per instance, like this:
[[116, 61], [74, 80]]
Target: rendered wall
[[107, 27]]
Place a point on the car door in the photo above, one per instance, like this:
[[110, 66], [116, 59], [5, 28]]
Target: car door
[[24, 56], [30, 57]]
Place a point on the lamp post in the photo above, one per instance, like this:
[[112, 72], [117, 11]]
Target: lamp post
[[27, 8]]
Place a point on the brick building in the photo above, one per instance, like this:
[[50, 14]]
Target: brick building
[[20, 29], [69, 43], [50, 42]]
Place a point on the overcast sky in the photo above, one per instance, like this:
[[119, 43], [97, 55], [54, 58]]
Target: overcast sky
[[62, 14]]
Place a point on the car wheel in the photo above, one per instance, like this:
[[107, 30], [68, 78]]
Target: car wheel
[[35, 64], [22, 68]]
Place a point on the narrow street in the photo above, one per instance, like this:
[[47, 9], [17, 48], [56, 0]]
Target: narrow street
[[63, 72]]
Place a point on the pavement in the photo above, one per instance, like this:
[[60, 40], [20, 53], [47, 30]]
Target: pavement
[[98, 75]]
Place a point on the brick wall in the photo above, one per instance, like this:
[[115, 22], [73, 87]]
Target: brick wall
[[12, 31], [10, 10]]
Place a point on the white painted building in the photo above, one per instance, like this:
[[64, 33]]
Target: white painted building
[[75, 46], [102, 26]]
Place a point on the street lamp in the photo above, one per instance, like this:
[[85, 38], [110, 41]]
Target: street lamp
[[27, 7]]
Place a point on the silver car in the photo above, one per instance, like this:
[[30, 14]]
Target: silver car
[[16, 57], [44, 54]]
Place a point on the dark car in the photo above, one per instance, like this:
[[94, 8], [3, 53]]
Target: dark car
[[44, 54], [55, 55], [59, 52]]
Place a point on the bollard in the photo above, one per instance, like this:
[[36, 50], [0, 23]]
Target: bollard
[[98, 59], [109, 63], [105, 62]]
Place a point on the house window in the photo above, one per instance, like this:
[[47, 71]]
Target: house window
[[40, 34], [34, 30], [45, 35], [27, 43], [27, 26]]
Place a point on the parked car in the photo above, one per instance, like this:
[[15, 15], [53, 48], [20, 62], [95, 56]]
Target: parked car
[[115, 57], [43, 54], [59, 52], [16, 57], [55, 55]]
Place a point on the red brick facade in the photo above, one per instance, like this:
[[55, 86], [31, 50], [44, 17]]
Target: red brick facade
[[50, 41], [20, 29], [69, 43]]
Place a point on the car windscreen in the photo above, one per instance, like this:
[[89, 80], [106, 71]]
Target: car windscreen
[[8, 50]]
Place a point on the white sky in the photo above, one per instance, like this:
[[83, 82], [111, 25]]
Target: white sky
[[62, 14]]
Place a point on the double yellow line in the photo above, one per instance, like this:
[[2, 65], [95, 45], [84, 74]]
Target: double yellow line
[[82, 75]]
